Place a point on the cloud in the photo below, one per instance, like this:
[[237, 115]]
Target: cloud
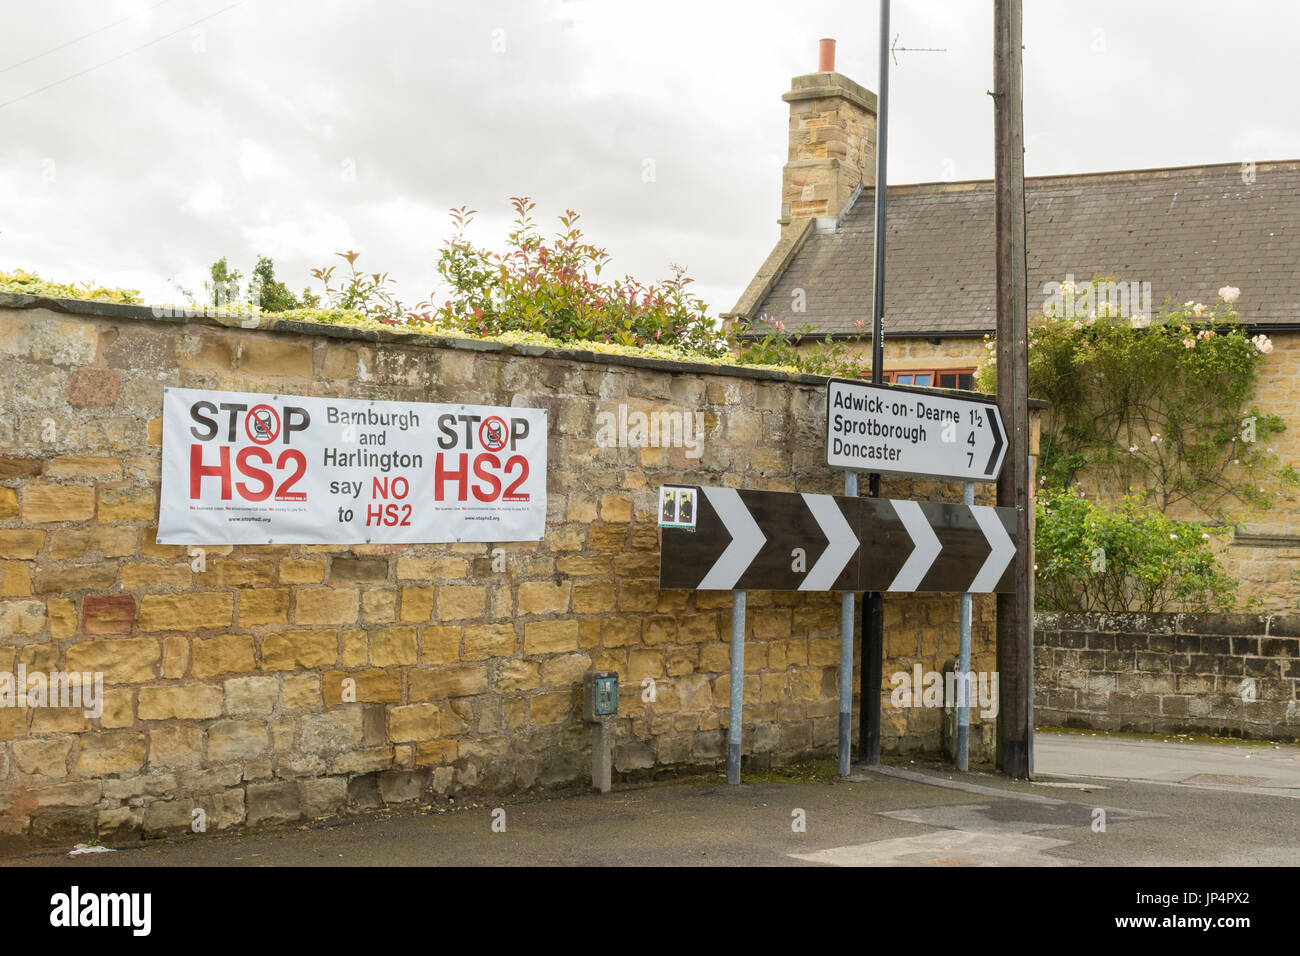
[[300, 128]]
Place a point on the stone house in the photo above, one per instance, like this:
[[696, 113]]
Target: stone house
[[1173, 234]]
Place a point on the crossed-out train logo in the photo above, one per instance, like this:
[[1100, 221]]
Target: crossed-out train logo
[[265, 472], [262, 424]]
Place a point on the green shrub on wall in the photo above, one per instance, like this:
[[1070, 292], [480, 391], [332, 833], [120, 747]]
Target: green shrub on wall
[[1124, 557], [553, 287]]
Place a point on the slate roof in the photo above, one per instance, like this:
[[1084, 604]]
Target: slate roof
[[1187, 231]]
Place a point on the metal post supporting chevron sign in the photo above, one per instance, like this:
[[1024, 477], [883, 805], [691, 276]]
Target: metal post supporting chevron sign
[[911, 431], [740, 540]]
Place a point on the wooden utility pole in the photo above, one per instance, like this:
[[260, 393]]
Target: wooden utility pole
[[1015, 615]]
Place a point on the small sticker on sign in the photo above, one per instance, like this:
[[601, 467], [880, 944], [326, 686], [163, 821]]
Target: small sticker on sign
[[677, 508]]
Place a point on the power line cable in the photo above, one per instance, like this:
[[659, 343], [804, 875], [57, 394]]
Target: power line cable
[[90, 69], [84, 36]]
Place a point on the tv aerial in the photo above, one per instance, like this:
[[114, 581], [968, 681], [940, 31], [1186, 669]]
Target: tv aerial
[[895, 49]]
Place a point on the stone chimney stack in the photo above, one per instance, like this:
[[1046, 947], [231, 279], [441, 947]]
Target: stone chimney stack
[[832, 142]]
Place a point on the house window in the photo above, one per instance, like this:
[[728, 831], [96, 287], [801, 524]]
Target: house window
[[963, 378]]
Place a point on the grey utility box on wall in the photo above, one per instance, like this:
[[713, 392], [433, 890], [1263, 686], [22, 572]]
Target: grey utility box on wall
[[599, 708]]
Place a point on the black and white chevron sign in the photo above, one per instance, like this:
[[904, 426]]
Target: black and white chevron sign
[[782, 541]]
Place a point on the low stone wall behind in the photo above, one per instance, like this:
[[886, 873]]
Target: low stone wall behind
[[1235, 675]]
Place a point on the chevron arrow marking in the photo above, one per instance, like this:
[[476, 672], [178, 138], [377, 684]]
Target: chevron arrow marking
[[842, 543], [746, 540], [995, 459], [1002, 549], [926, 546]]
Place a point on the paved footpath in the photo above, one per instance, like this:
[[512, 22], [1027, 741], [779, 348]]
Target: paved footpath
[[1163, 803]]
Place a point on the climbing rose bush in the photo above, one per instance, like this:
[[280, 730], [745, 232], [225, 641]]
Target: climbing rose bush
[[1162, 406]]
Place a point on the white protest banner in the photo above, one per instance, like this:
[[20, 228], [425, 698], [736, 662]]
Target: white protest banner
[[246, 468]]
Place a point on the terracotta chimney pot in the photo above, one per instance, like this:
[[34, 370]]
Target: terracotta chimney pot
[[826, 56]]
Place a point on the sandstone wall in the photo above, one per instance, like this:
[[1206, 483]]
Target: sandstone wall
[[1266, 556], [224, 678]]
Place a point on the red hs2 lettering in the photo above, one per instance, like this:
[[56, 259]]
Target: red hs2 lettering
[[488, 469], [259, 470], [389, 515]]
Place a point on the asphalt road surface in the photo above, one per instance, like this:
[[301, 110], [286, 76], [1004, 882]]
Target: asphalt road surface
[[1097, 800]]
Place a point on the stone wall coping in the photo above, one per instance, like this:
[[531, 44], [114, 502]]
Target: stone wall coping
[[1267, 625], [265, 323]]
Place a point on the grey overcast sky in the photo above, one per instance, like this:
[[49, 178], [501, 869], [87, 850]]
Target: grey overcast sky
[[298, 128]]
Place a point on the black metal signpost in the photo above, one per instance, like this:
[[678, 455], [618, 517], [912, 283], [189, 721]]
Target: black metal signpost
[[873, 609]]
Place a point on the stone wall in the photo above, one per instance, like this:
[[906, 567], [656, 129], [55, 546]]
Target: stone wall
[[1266, 548], [224, 678], [1234, 675]]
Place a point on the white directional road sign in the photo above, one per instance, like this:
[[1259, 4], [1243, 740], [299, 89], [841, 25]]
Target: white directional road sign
[[897, 430]]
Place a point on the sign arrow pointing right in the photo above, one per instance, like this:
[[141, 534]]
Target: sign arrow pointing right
[[995, 456], [926, 546], [842, 542], [1002, 549], [746, 540]]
